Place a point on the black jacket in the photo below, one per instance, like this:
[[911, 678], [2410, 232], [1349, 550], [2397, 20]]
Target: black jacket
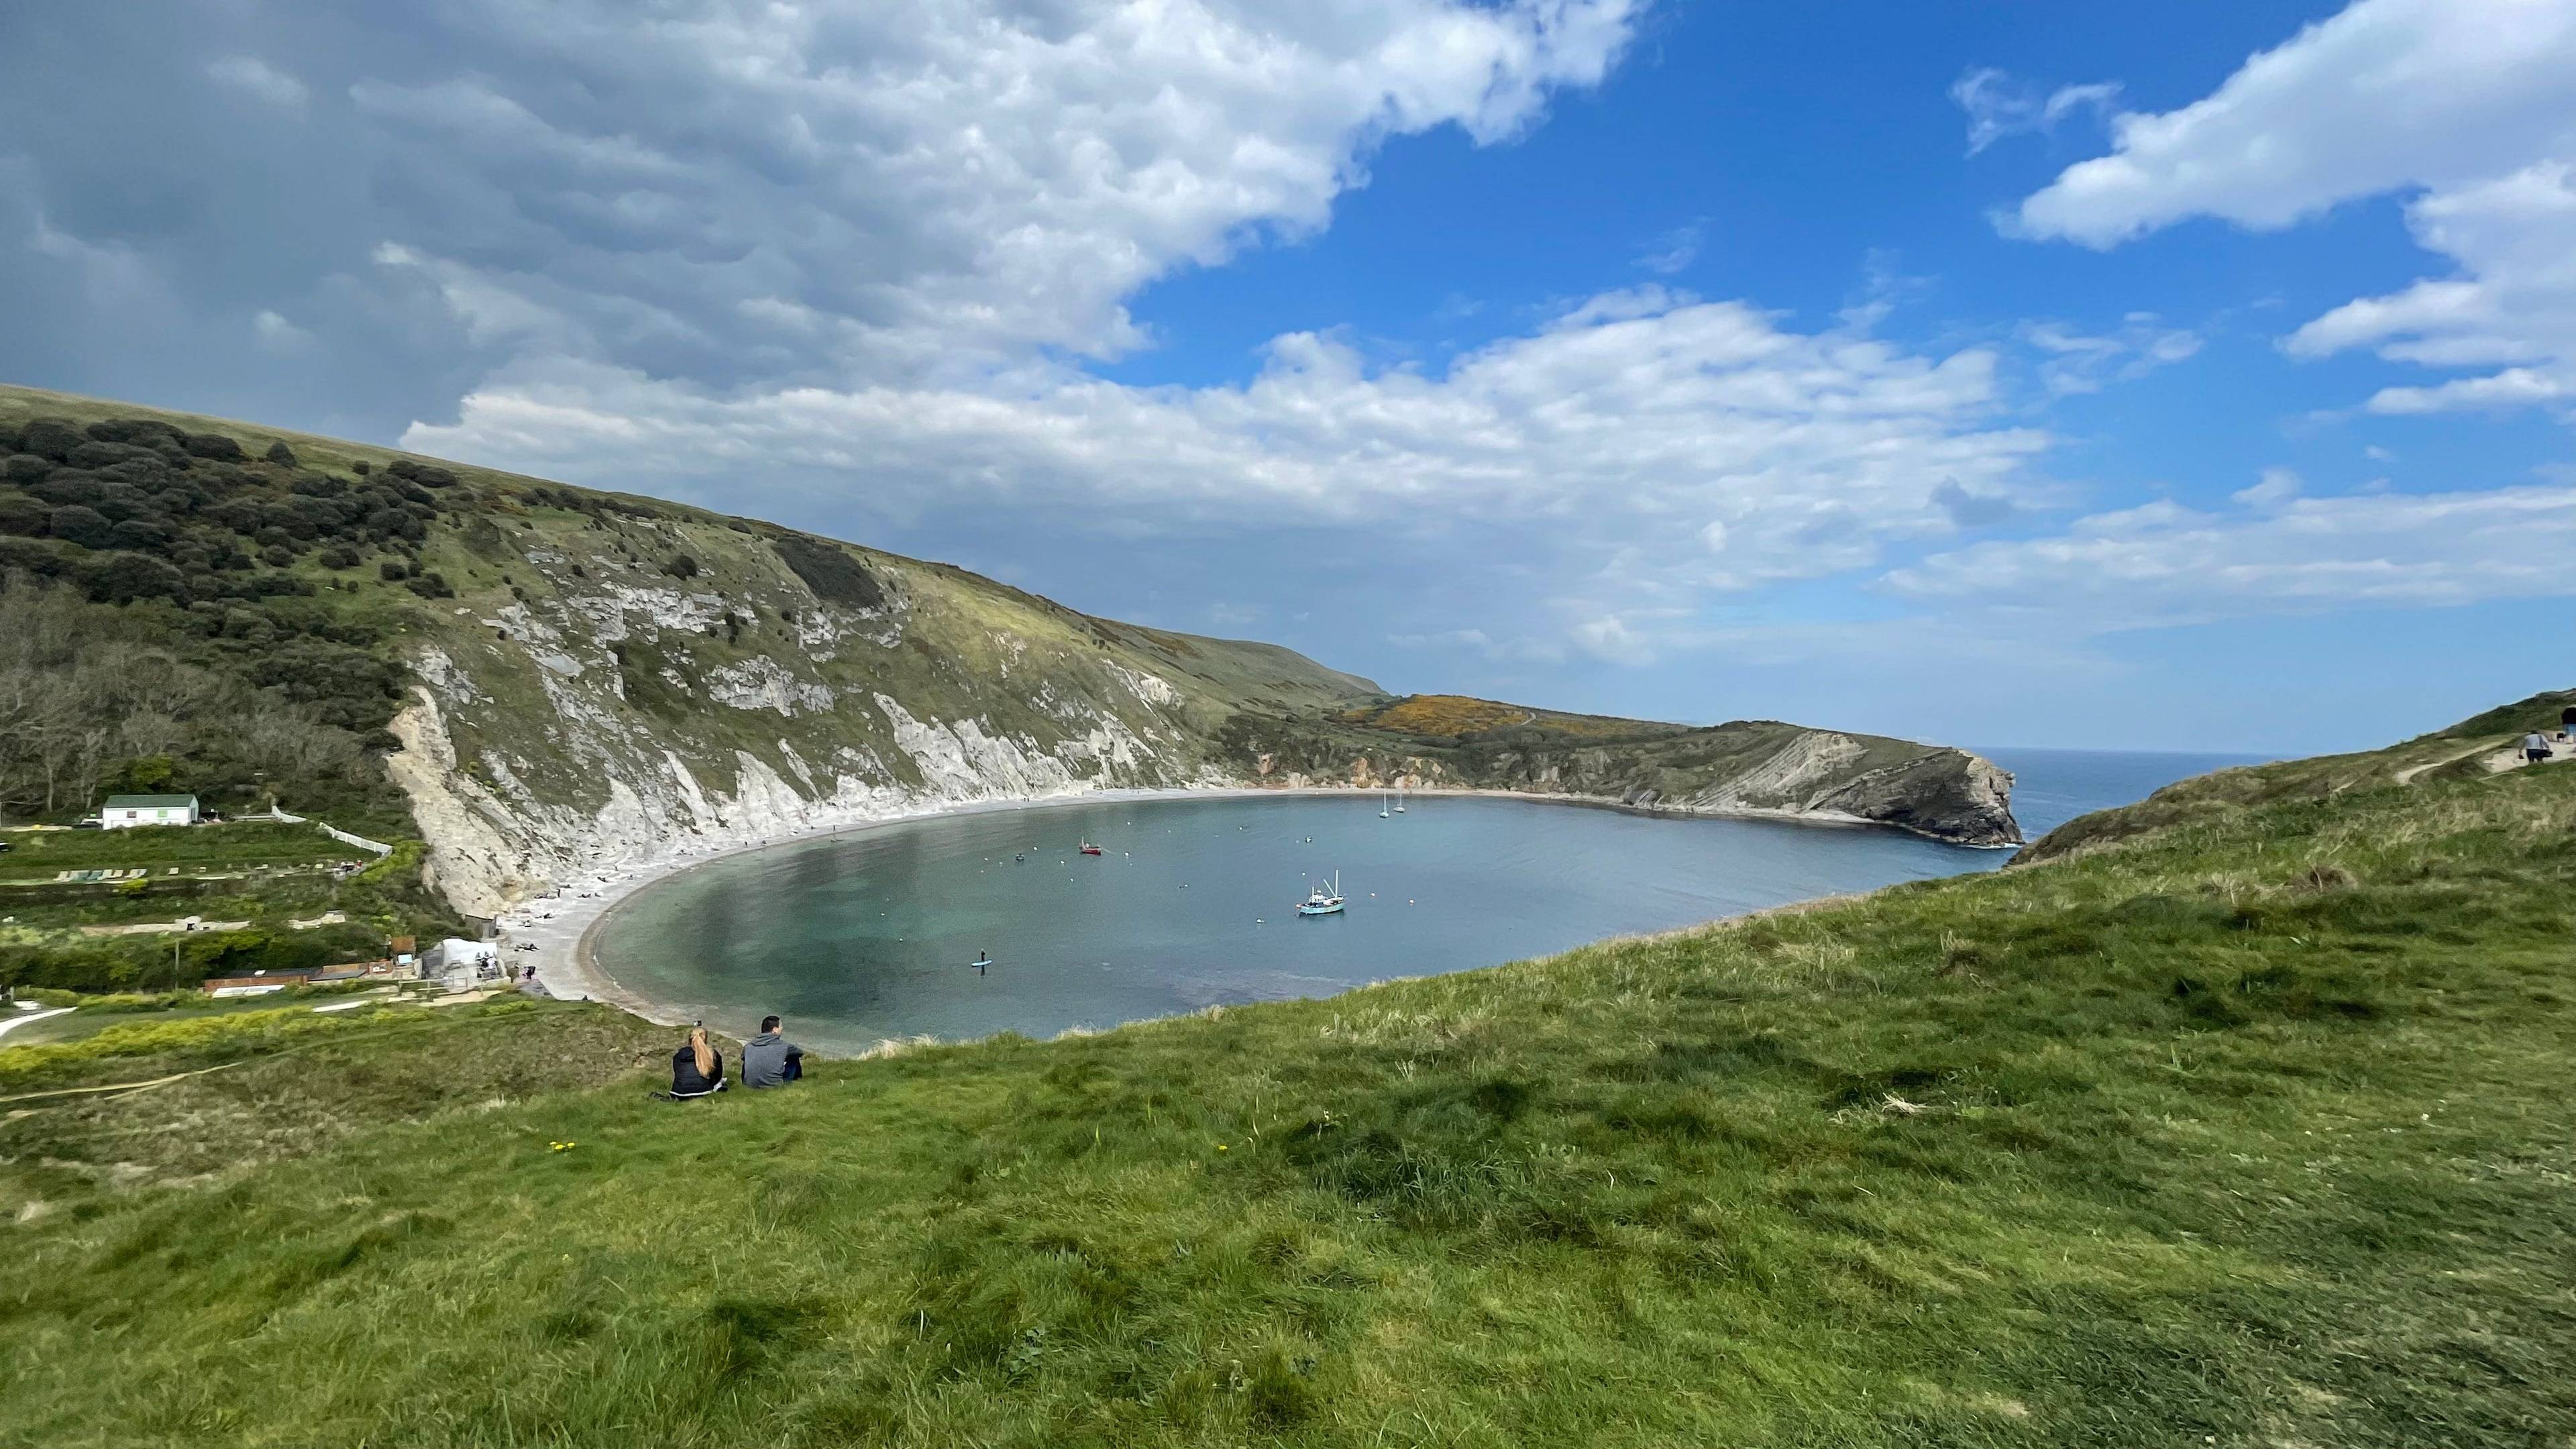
[[687, 1081]]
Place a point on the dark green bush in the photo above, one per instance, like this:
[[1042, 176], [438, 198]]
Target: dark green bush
[[833, 575], [81, 525], [52, 438], [23, 515]]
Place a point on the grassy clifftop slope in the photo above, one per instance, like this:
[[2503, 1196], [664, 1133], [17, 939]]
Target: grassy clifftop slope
[[2481, 745], [2249, 1134]]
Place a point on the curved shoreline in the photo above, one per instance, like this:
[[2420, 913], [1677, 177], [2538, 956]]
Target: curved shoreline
[[567, 938]]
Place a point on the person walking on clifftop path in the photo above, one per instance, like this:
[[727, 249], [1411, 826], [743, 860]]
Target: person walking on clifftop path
[[771, 1060]]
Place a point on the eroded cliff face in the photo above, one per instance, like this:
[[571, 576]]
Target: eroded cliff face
[[606, 712]]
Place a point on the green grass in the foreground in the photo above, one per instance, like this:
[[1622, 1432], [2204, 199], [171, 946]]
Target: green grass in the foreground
[[287, 1082], [2256, 1132]]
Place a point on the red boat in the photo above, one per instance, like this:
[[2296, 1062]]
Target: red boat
[[1090, 849]]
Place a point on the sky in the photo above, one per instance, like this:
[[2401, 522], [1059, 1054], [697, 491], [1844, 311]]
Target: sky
[[2195, 376]]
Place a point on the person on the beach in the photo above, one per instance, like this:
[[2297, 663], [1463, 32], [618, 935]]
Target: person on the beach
[[2534, 748], [697, 1068], [771, 1060]]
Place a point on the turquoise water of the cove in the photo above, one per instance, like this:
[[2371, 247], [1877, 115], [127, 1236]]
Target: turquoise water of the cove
[[868, 935]]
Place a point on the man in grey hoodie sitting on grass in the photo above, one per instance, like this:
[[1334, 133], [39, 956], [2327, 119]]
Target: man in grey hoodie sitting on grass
[[771, 1060]]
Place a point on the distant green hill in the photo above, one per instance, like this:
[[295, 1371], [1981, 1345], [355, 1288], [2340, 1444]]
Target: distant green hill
[[2476, 747], [2252, 1131]]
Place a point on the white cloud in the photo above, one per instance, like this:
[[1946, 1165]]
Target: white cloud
[[2276, 487], [1535, 648], [834, 192], [2074, 362], [2465, 104], [1999, 106], [255, 77], [1644, 449], [1612, 640], [2512, 305], [275, 333], [2164, 564], [1673, 251], [2386, 95]]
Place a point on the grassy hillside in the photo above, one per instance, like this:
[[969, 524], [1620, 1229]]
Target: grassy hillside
[[2472, 749], [2248, 1133]]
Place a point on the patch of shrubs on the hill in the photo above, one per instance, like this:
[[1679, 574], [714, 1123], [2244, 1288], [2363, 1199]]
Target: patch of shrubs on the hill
[[142, 963], [831, 573], [172, 552], [133, 508]]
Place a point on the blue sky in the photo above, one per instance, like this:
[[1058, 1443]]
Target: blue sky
[[2193, 376]]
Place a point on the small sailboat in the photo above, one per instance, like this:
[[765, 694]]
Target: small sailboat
[[1381, 809], [1090, 849], [1399, 799], [1321, 901], [980, 962]]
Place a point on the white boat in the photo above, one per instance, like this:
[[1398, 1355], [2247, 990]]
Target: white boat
[[1321, 901], [1381, 809], [1399, 799]]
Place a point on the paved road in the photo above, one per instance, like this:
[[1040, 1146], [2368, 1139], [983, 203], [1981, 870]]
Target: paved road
[[12, 1023]]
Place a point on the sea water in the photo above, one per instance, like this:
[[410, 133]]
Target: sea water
[[871, 934]]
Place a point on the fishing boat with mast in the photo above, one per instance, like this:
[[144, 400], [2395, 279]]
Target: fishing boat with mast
[[1088, 848], [1322, 900]]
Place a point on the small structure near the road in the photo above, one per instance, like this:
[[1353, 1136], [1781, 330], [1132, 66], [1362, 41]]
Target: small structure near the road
[[460, 963], [125, 812]]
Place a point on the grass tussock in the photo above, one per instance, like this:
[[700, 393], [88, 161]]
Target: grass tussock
[[2249, 1133]]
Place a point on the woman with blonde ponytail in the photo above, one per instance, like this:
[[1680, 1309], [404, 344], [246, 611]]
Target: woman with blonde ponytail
[[697, 1068]]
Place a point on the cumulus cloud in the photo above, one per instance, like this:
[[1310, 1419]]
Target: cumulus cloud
[[2389, 94], [737, 191], [1648, 445], [849, 264], [2511, 306], [2163, 563], [2463, 105]]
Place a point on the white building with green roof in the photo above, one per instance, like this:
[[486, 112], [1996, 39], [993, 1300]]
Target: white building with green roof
[[122, 812]]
